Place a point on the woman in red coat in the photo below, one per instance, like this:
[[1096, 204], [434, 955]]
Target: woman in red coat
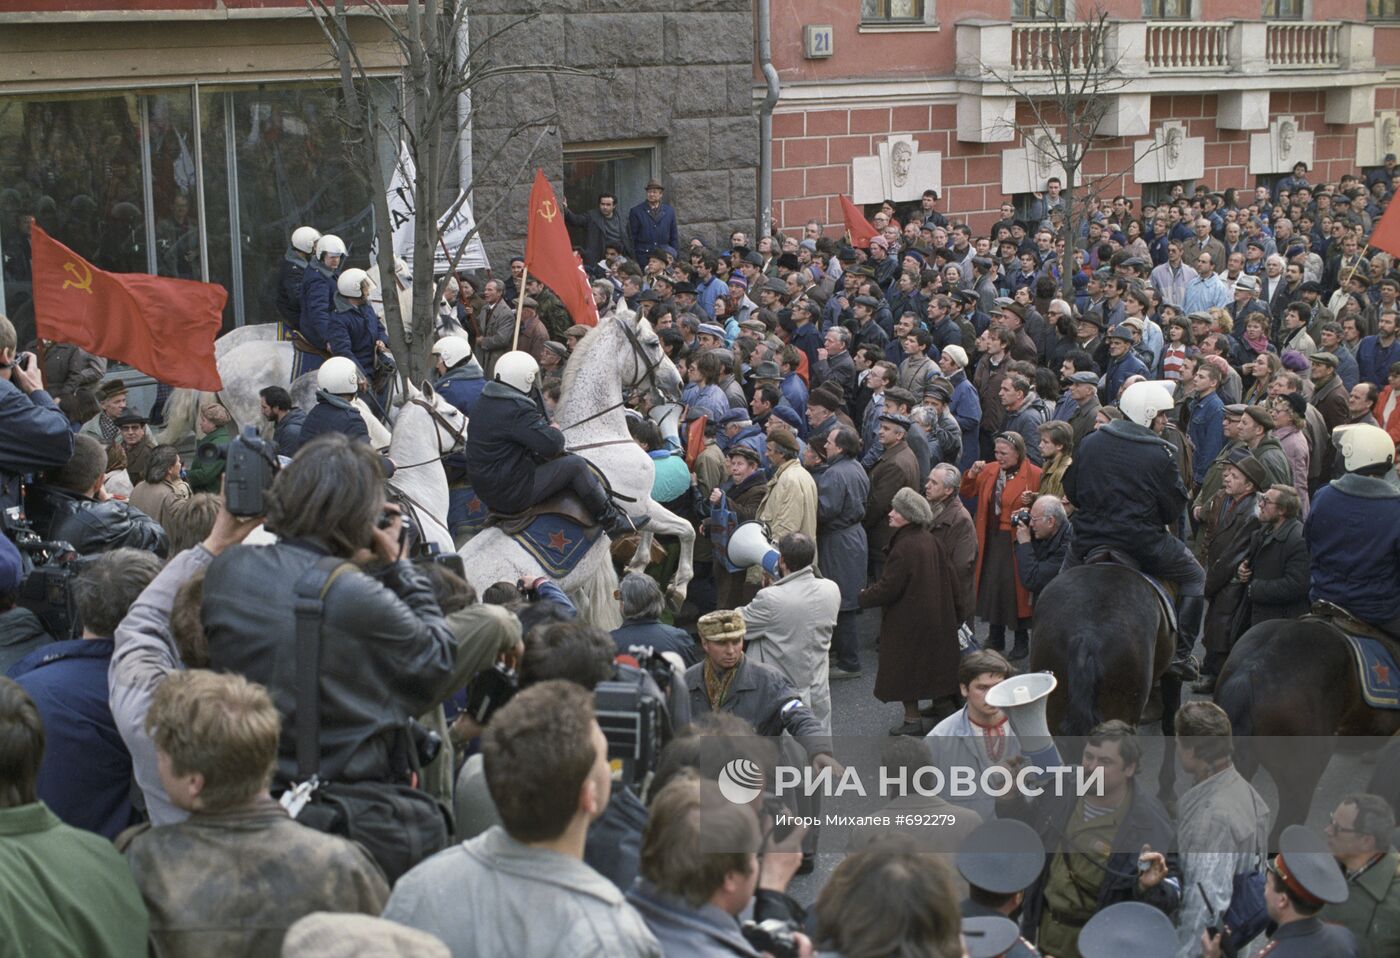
[[1001, 488], [922, 609]]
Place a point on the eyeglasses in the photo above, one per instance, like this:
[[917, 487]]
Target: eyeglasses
[[1336, 829]]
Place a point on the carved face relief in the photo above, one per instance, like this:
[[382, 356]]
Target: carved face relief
[[1286, 130], [901, 162], [1045, 155], [1172, 148]]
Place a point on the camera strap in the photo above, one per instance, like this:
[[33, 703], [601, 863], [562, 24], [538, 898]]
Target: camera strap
[[310, 599]]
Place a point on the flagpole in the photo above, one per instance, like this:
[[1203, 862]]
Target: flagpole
[[519, 306]]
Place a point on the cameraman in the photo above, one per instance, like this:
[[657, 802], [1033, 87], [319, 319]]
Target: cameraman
[[70, 505], [1042, 543], [34, 433], [386, 651]]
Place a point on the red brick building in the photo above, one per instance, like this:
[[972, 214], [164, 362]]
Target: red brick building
[[1229, 75]]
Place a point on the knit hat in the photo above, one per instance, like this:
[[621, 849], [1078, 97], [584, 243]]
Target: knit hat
[[913, 507], [957, 354], [721, 624]]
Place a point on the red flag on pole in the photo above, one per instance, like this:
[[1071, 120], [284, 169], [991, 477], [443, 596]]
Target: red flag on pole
[[1386, 234], [549, 256], [163, 327], [857, 226]]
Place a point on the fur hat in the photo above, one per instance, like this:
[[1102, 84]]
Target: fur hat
[[913, 507], [721, 624]]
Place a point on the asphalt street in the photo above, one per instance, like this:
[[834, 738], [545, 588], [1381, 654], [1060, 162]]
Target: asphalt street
[[859, 722]]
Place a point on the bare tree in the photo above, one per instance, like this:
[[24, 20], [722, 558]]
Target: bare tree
[[437, 72], [1067, 73]]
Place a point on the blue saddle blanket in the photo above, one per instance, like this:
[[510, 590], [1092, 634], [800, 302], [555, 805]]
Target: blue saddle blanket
[[1375, 666], [557, 543], [466, 514]]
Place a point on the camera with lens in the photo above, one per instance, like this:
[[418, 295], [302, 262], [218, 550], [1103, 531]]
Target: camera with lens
[[488, 690], [774, 936], [1021, 517], [251, 464], [50, 570]]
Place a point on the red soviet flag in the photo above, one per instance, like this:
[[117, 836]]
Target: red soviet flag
[[1386, 234], [857, 226], [549, 256], [163, 327]]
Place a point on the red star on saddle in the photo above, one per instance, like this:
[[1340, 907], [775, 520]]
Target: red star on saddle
[[474, 505], [1382, 673], [558, 542]]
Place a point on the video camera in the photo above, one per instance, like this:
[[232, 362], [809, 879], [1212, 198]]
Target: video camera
[[250, 466], [50, 570]]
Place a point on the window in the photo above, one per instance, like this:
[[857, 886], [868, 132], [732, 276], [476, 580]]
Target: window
[[1283, 9], [881, 11], [622, 171], [1038, 10], [1167, 9], [188, 182], [1383, 9]]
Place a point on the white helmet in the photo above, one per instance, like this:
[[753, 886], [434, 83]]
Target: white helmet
[[352, 282], [1364, 445], [338, 376], [1141, 402], [304, 238], [518, 370], [329, 243], [452, 350]]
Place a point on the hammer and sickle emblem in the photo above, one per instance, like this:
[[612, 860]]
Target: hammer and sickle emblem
[[82, 277], [548, 210]]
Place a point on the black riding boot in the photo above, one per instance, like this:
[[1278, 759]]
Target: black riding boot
[[1022, 646], [996, 638], [1190, 613]]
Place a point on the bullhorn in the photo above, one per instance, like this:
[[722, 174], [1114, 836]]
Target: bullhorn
[[749, 545], [1023, 699]]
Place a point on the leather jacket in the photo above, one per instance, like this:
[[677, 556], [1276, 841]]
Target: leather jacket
[[386, 652], [91, 526]]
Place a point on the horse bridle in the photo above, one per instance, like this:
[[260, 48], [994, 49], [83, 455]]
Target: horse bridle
[[459, 435], [650, 379]]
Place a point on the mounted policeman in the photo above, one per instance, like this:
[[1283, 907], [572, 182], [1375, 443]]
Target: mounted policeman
[[1127, 492], [318, 289], [291, 275], [337, 384], [516, 457]]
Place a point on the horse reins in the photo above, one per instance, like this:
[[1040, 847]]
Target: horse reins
[[459, 435], [649, 379]]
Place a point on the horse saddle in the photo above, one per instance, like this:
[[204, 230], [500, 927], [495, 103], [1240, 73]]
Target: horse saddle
[[564, 505], [1374, 651], [1165, 591]]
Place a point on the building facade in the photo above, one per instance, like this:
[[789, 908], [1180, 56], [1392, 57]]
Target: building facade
[[1226, 93], [188, 138]]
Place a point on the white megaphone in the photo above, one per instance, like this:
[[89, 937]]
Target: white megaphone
[[668, 417], [1023, 699], [749, 545]]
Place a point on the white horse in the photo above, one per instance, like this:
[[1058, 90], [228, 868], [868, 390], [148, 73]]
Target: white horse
[[622, 350], [426, 429]]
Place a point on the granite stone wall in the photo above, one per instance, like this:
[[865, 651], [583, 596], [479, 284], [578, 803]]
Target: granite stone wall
[[677, 71]]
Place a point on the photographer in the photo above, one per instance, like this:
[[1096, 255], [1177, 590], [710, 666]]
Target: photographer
[[70, 505], [1043, 537], [385, 650], [34, 433], [699, 870]]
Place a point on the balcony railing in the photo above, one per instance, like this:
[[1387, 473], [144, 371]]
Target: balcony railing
[[1174, 47], [1038, 49], [1304, 46]]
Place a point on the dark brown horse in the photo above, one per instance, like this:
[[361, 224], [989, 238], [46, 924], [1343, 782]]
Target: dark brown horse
[[1102, 630], [1290, 678]]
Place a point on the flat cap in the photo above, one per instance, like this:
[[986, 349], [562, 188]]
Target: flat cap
[[766, 370], [1324, 358], [130, 418], [1084, 378], [710, 329], [1121, 331], [896, 419], [869, 301], [752, 325], [577, 329], [735, 414], [753, 258], [775, 286], [825, 397], [1259, 414], [744, 452]]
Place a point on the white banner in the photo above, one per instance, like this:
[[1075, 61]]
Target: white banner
[[401, 213]]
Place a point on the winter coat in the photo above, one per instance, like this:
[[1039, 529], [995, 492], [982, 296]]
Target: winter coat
[[1353, 536], [287, 433], [203, 878], [952, 526], [923, 607], [85, 776], [788, 626], [915, 374], [386, 651], [657, 635], [68, 368], [34, 435], [204, 476], [838, 368], [758, 694], [599, 231], [317, 302], [983, 487], [842, 491], [1279, 566], [352, 331], [334, 414], [1052, 475], [1229, 525], [1026, 422], [1274, 460], [1119, 371], [966, 407], [156, 498], [790, 504], [21, 632], [497, 333], [508, 438], [1126, 488], [1330, 400], [291, 276], [706, 931], [1206, 432], [896, 469], [652, 228], [1040, 560], [987, 378], [1295, 447]]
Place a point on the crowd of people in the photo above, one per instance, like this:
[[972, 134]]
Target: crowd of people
[[933, 424]]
